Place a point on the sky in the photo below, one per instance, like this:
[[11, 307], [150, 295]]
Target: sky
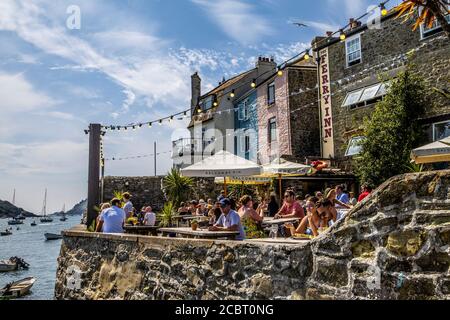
[[126, 62]]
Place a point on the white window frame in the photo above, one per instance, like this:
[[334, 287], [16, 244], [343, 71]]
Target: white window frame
[[425, 34], [347, 53], [384, 86], [351, 143], [434, 129]]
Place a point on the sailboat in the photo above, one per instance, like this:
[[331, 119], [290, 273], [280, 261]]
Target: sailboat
[[45, 218], [63, 218]]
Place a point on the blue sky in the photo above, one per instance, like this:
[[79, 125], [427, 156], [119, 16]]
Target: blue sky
[[131, 61]]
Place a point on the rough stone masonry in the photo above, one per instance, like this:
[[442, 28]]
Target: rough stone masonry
[[394, 245]]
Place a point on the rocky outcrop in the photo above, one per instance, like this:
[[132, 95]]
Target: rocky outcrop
[[394, 245], [77, 210], [8, 210]]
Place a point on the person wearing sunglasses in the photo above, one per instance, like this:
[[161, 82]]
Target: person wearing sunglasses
[[314, 221], [291, 208]]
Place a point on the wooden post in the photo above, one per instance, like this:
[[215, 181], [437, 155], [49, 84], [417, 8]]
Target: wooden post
[[280, 184], [93, 173], [154, 156], [225, 186]]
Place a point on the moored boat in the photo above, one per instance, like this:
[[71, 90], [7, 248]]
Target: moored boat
[[45, 218], [52, 236], [14, 222], [6, 233], [19, 288], [34, 224], [13, 264]]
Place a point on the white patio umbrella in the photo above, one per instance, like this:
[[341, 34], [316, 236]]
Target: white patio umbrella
[[222, 164], [281, 167], [438, 151]]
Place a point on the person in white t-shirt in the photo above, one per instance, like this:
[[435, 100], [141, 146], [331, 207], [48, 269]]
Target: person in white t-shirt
[[150, 217], [112, 220]]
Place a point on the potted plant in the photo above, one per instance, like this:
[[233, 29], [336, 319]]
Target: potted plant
[[194, 225]]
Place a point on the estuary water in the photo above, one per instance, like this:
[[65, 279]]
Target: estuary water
[[29, 243]]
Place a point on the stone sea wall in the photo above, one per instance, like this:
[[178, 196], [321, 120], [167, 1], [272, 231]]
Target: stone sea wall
[[394, 245]]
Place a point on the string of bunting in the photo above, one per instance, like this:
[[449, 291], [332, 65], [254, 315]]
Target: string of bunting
[[306, 55]]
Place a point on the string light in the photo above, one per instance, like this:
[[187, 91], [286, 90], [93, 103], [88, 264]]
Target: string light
[[279, 72], [306, 56], [383, 9]]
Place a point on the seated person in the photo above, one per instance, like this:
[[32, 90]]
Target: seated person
[[316, 219], [335, 202], [183, 209], [214, 214], [150, 217], [202, 209], [250, 218], [229, 220], [193, 207], [290, 208], [112, 220]]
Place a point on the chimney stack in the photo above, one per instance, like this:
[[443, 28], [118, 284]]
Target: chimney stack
[[329, 34], [196, 84]]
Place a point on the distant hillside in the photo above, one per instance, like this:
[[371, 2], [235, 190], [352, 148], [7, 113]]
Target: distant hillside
[[8, 210], [77, 210]]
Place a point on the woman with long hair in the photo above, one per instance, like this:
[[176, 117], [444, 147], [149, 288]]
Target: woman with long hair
[[251, 218]]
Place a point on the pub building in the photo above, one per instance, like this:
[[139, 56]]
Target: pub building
[[350, 67]]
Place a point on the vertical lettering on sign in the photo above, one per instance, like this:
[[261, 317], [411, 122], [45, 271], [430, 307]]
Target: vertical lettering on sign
[[325, 105]]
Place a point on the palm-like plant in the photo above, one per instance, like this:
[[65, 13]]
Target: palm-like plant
[[177, 187], [429, 12], [166, 215]]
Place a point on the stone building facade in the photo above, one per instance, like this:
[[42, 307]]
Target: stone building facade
[[353, 70], [288, 117]]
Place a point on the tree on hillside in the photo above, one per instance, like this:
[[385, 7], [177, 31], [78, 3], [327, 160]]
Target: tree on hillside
[[429, 11], [392, 131]]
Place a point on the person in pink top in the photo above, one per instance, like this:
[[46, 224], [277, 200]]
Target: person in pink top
[[291, 208]]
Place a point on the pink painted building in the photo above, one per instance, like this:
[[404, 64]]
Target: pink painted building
[[288, 114]]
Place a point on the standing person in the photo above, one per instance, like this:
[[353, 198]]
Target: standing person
[[353, 200], [229, 220], [367, 190], [341, 195], [128, 207], [290, 208], [150, 217], [112, 220], [273, 206]]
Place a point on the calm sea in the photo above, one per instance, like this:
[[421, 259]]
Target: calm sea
[[29, 244]]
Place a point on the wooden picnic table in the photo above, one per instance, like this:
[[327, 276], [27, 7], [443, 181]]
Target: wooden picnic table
[[142, 230], [271, 221], [200, 233]]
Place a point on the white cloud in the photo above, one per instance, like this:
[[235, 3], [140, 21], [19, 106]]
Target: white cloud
[[18, 95], [237, 19], [52, 158], [323, 27]]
